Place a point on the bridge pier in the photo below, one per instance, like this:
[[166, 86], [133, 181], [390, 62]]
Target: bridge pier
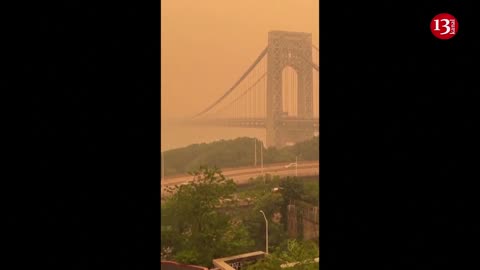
[[292, 136], [286, 133]]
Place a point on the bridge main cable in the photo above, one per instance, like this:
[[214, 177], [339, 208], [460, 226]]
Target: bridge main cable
[[262, 54]]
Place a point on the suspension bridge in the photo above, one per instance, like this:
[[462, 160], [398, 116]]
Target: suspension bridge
[[278, 92]]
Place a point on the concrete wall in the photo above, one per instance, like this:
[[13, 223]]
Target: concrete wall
[[303, 218], [311, 224]]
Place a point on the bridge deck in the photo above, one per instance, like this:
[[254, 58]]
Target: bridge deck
[[253, 122]]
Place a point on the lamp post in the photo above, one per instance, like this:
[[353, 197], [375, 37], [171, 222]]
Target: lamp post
[[266, 231], [163, 166], [296, 166], [261, 160], [255, 150]]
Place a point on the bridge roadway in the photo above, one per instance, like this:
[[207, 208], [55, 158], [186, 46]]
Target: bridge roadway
[[253, 122], [242, 175]]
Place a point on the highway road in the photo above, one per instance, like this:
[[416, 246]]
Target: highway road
[[242, 175]]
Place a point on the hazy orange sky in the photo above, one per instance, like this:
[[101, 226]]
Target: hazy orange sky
[[206, 45]]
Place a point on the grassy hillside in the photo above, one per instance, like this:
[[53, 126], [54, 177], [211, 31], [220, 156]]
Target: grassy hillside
[[235, 153]]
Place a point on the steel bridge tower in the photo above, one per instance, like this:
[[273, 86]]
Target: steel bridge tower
[[292, 49]]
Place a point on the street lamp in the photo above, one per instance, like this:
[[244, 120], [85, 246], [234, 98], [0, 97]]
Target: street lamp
[[163, 166], [296, 166], [261, 159], [266, 231], [255, 151]]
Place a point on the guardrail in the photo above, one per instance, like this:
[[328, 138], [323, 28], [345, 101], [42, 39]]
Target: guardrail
[[170, 265]]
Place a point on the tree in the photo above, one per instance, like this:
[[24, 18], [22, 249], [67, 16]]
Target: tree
[[198, 231], [292, 189], [300, 256], [271, 204]]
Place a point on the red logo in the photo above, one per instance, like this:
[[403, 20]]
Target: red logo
[[444, 26]]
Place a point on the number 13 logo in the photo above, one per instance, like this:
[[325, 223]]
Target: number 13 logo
[[444, 26]]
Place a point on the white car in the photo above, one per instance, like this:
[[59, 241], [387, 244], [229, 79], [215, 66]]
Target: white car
[[276, 189], [290, 165]]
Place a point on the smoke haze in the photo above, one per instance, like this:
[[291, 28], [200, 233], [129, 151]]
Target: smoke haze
[[205, 47]]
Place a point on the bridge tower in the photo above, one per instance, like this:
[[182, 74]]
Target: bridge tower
[[292, 49]]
